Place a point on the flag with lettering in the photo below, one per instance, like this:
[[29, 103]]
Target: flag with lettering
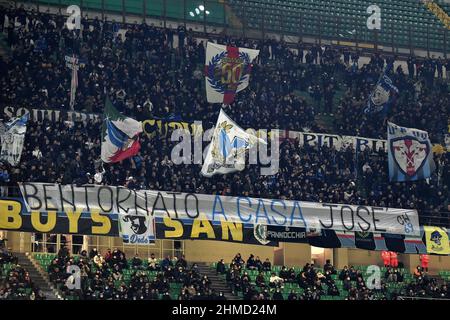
[[410, 155], [120, 135], [227, 71]]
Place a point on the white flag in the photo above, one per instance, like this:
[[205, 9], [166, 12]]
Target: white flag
[[13, 139], [227, 71], [229, 143]]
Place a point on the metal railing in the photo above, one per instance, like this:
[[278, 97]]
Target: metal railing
[[256, 19]]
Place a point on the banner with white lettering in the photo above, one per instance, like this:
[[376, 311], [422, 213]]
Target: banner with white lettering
[[107, 199]]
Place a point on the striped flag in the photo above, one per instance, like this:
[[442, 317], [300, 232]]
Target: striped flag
[[120, 135]]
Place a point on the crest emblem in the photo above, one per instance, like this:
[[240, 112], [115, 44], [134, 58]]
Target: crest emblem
[[436, 238], [410, 154], [363, 234], [226, 151], [260, 233], [137, 224], [225, 73]]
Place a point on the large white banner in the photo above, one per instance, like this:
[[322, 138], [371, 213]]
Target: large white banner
[[177, 205]]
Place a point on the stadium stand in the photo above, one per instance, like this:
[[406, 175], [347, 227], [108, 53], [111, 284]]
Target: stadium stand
[[317, 89], [402, 20], [15, 281], [253, 280], [171, 9], [293, 100], [106, 278], [113, 277], [406, 23]]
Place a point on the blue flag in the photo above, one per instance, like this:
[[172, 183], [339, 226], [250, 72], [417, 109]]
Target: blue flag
[[410, 154], [383, 95]]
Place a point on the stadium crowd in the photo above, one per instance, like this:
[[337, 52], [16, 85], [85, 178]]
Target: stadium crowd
[[15, 281], [148, 76], [110, 276], [311, 283]]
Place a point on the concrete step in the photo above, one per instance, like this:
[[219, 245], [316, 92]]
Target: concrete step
[[217, 282], [38, 276]]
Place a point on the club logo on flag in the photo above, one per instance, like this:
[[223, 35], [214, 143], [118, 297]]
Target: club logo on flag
[[137, 224], [137, 229], [436, 238], [381, 94], [228, 152], [260, 233], [410, 154], [227, 71]]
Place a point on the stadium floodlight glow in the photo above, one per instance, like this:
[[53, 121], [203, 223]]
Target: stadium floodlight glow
[[197, 11], [191, 14], [201, 7]]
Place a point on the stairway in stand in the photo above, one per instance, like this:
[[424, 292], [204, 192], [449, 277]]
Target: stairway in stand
[[37, 276], [217, 283]]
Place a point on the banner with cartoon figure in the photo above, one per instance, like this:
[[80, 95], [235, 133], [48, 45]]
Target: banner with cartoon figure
[[137, 228], [409, 154], [227, 71], [437, 240]]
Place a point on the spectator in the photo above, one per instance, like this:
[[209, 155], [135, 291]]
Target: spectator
[[424, 259], [220, 268], [275, 281], [267, 265], [153, 264]]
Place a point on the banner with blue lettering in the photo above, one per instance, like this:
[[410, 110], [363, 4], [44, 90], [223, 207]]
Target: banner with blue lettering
[[178, 205], [410, 154]]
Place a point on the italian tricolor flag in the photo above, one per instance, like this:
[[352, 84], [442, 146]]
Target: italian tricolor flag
[[120, 135]]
